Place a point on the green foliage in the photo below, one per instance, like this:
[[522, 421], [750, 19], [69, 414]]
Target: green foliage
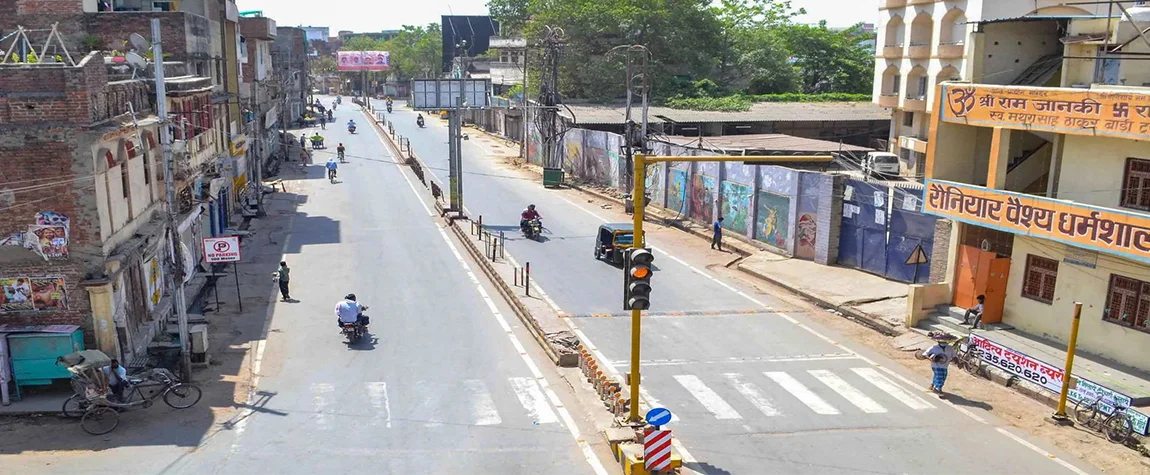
[[324, 64], [751, 46], [719, 104], [826, 97], [93, 43]]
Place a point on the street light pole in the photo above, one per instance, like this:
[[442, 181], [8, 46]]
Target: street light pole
[[176, 267]]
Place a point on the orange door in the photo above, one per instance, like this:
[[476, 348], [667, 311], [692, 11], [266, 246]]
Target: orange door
[[965, 288], [996, 290]]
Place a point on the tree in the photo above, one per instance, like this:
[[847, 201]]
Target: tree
[[362, 43], [831, 61], [324, 64]]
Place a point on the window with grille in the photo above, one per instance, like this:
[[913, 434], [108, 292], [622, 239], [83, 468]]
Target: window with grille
[[1041, 274], [1128, 302], [1136, 184]]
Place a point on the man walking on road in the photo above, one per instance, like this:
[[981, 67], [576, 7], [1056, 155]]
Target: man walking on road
[[718, 239], [283, 275]]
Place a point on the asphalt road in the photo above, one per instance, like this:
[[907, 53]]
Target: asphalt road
[[754, 392], [442, 384]]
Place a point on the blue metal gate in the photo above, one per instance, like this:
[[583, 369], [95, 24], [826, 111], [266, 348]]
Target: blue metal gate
[[879, 236], [909, 228]]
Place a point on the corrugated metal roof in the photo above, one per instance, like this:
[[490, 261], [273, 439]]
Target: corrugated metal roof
[[759, 143], [759, 112]]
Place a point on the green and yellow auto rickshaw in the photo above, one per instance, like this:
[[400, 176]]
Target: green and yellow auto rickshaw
[[612, 239]]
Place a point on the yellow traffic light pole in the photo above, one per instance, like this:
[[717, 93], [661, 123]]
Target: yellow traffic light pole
[[638, 196]]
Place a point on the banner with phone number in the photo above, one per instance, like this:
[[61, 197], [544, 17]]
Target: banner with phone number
[[1040, 373]]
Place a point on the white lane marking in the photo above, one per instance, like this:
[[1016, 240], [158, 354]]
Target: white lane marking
[[752, 393], [1040, 450], [532, 399], [898, 392], [707, 397], [568, 421], [402, 172], [319, 403], [380, 405], [535, 285], [804, 395], [850, 393], [483, 405], [428, 398], [652, 402], [754, 359]]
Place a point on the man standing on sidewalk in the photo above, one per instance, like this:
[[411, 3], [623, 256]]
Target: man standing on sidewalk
[[283, 275], [717, 240]]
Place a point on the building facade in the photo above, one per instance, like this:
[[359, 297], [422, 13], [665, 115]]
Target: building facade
[[1084, 234], [261, 118], [84, 190], [921, 43], [290, 72]]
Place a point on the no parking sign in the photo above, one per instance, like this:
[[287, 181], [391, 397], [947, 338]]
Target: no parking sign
[[222, 249]]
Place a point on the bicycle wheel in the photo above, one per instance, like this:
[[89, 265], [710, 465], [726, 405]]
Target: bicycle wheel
[[100, 420], [1117, 427], [75, 406], [1085, 412], [182, 396]]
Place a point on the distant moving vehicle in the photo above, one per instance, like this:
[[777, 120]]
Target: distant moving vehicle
[[881, 164], [351, 126], [419, 120], [613, 240]]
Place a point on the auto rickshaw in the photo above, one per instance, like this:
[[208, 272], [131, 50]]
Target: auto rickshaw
[[612, 240]]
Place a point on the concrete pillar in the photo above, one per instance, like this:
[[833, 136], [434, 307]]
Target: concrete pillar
[[103, 322], [999, 158], [1055, 166]]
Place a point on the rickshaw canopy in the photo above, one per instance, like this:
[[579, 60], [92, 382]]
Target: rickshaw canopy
[[83, 361]]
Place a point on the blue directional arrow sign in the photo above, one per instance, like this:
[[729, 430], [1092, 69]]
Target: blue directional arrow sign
[[659, 416]]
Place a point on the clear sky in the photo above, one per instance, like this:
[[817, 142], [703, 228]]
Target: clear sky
[[376, 15]]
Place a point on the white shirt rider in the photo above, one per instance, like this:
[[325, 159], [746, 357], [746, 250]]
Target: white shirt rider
[[348, 310]]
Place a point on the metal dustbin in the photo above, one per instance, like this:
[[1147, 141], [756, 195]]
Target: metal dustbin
[[552, 177]]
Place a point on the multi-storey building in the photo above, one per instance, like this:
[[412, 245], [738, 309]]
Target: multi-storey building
[[921, 43], [258, 34], [83, 186], [290, 71], [1080, 231]]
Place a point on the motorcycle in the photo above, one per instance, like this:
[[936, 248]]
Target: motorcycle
[[389, 108], [351, 129], [533, 229], [354, 331], [341, 160], [419, 122], [331, 175]]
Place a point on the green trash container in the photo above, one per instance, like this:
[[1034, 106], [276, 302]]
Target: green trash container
[[552, 177]]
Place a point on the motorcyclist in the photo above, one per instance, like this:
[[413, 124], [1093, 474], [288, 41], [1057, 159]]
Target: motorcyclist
[[331, 165], [339, 99], [419, 120], [350, 311], [333, 104], [316, 140], [528, 215], [339, 151], [351, 124]]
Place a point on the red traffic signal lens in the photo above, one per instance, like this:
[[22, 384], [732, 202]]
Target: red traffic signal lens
[[640, 272]]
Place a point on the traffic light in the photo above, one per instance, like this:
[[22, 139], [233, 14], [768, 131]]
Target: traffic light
[[637, 270]]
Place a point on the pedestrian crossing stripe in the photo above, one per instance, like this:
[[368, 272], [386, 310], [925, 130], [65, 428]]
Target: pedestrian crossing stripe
[[801, 392]]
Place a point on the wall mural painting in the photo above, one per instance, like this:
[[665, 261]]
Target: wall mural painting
[[806, 234], [772, 222], [18, 294], [614, 163], [572, 151], [677, 194], [703, 198], [736, 209], [654, 182], [594, 165]]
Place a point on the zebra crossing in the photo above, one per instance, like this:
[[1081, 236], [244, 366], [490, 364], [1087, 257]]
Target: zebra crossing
[[823, 392], [386, 404]]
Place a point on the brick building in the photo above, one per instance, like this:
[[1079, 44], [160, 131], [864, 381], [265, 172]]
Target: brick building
[[290, 60], [81, 178]]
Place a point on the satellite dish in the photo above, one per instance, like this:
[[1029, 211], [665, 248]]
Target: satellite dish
[[135, 60], [139, 42]]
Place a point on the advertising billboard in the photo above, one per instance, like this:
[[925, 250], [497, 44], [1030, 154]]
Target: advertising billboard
[[364, 61]]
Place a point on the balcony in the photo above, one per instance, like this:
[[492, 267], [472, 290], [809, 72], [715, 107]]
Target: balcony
[[888, 100], [891, 4], [892, 51], [918, 51], [915, 103], [951, 51], [258, 27]]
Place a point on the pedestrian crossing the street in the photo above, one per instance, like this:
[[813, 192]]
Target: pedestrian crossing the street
[[471, 402], [778, 393]]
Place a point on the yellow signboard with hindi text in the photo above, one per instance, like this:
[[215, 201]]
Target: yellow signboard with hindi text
[[1061, 110], [1104, 230]]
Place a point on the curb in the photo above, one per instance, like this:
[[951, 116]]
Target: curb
[[505, 290], [858, 316]]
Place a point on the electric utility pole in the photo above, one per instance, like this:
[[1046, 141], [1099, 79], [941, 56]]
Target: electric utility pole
[[175, 263], [637, 84], [549, 99]]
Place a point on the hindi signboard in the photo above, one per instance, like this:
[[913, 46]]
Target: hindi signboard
[[364, 61], [1101, 229], [222, 249], [1062, 110]]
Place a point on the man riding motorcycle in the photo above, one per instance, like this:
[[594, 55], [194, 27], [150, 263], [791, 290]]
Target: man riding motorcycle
[[528, 215], [419, 120], [339, 151], [329, 117], [351, 126], [350, 311]]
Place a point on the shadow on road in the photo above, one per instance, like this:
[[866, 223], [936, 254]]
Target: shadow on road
[[961, 401]]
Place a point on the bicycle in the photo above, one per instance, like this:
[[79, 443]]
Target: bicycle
[[1115, 425], [100, 415], [966, 356]]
